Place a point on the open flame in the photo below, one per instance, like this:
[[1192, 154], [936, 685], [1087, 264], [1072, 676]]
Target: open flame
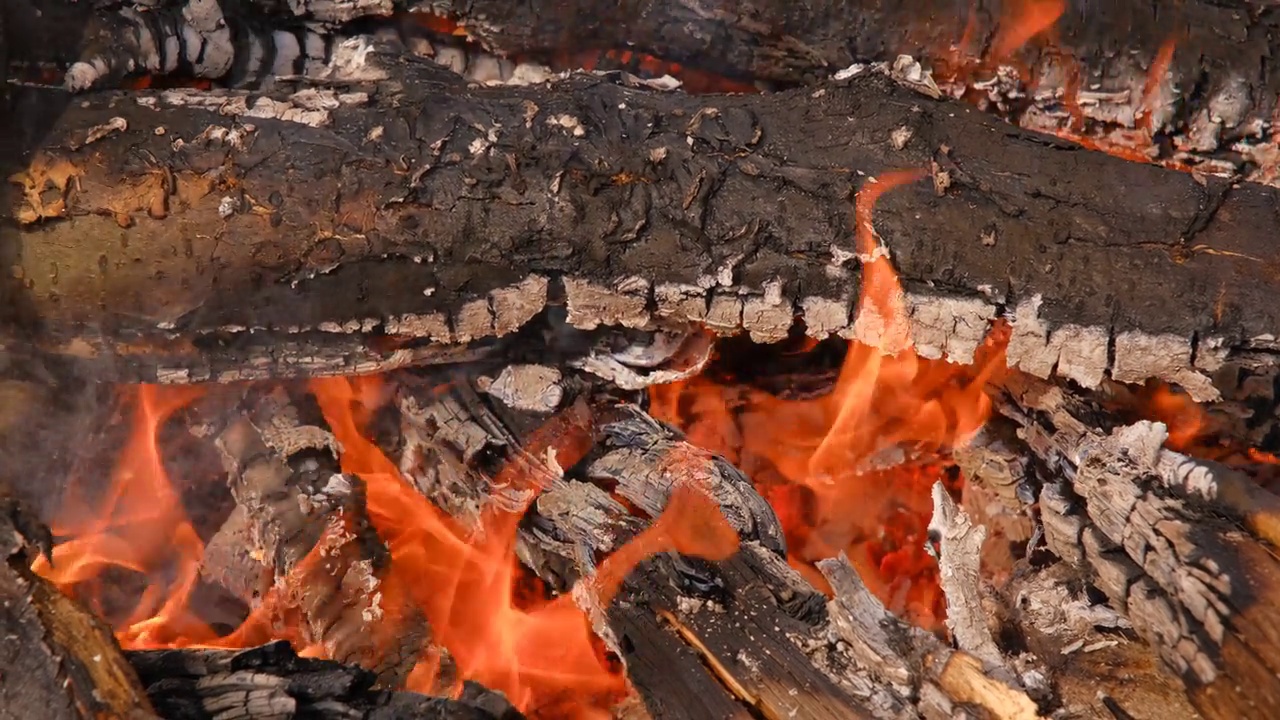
[[1024, 22], [852, 470], [541, 653]]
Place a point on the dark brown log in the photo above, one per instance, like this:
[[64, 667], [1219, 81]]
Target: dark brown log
[[1052, 64], [625, 206], [1145, 525], [59, 661]]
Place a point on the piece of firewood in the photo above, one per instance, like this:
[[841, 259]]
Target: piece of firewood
[[271, 682], [1145, 526], [58, 661], [728, 211], [1186, 87], [300, 544]]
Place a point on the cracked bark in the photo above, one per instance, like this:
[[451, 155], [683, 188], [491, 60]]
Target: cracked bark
[[1212, 100], [1145, 526], [233, 246]]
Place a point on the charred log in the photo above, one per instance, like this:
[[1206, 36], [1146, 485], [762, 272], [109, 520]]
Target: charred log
[[300, 544], [1188, 84], [624, 207], [1145, 526], [270, 681]]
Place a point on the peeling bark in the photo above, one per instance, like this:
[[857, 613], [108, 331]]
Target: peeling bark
[[655, 208]]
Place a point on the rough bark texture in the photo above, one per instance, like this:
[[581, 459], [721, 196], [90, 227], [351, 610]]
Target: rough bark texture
[[1190, 83], [758, 628], [1142, 523], [235, 244], [1213, 92]]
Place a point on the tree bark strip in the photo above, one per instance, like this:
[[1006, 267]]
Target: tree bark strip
[[435, 213]]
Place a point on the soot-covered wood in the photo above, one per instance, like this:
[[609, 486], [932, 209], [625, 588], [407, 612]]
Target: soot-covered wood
[[437, 213], [271, 681], [1194, 76]]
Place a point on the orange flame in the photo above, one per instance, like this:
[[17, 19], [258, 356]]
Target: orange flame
[[852, 470], [542, 654], [1022, 21], [139, 526]]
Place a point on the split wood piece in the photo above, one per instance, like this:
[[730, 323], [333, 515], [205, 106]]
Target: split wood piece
[[712, 605], [915, 667], [59, 661], [449, 437], [575, 523], [299, 543], [1144, 524], [998, 493], [271, 682], [624, 206]]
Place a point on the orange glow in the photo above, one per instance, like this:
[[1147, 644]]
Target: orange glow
[[1155, 78], [1185, 419], [139, 526], [541, 653], [1022, 21], [852, 470]]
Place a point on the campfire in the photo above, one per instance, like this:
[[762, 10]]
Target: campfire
[[374, 360]]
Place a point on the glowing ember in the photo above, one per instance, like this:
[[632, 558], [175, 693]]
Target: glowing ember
[[852, 470], [542, 654]]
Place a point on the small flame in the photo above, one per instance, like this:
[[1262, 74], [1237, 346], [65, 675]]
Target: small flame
[[851, 471]]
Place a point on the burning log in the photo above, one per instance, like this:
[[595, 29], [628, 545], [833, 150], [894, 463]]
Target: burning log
[[578, 214], [1186, 88], [69, 665], [1140, 522], [300, 547]]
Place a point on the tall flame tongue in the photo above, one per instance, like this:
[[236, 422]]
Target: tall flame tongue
[[851, 471], [542, 654], [139, 526]]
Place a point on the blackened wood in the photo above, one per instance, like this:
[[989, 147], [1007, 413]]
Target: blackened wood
[[1073, 61], [58, 660], [435, 213], [271, 681]]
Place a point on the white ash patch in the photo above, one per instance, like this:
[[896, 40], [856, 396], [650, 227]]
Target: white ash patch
[[824, 317], [590, 304], [947, 327], [1139, 356], [1076, 352], [233, 137], [768, 317], [116, 124], [528, 388], [568, 123]]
